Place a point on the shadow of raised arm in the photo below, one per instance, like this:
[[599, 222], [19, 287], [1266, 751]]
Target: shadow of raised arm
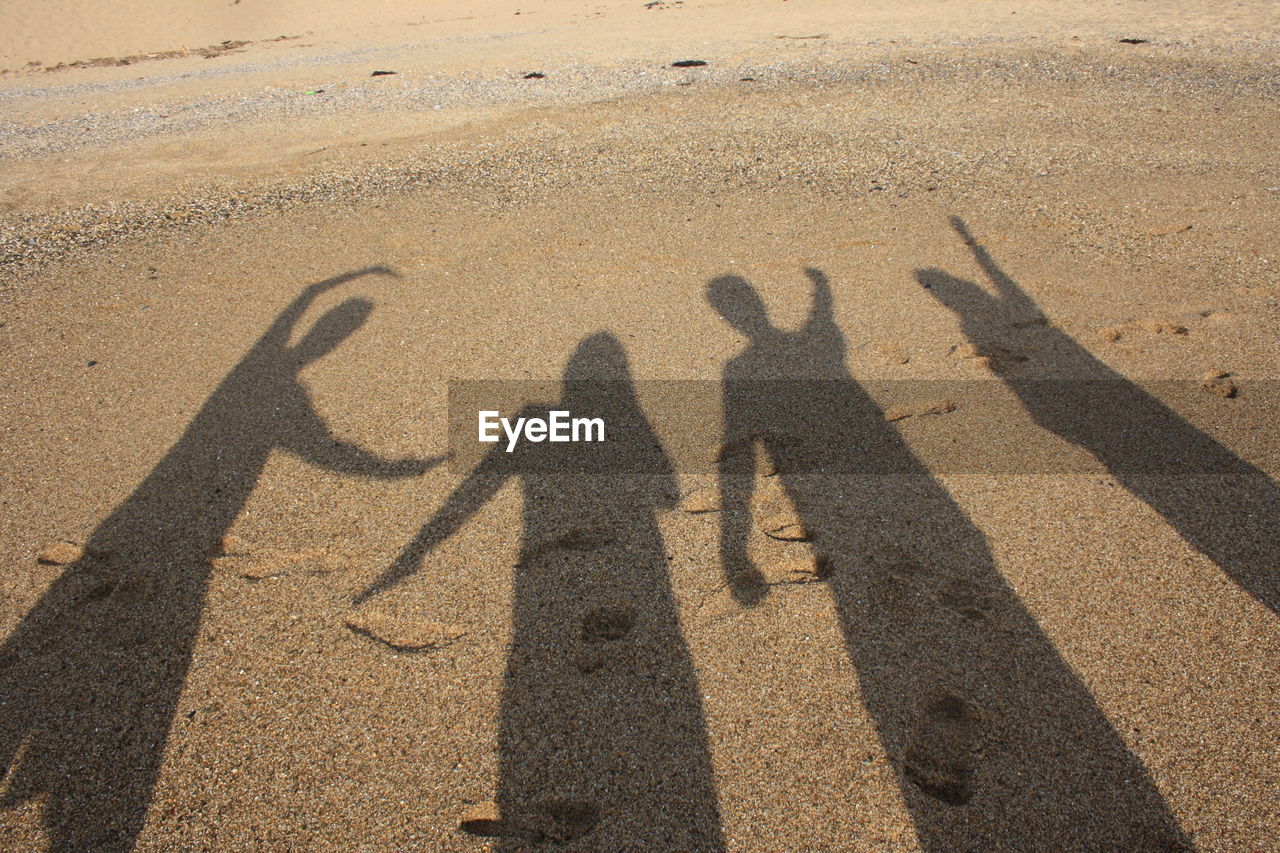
[[1231, 513], [472, 494]]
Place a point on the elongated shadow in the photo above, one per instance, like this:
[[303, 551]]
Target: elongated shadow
[[997, 745], [1230, 512], [601, 735], [90, 678]]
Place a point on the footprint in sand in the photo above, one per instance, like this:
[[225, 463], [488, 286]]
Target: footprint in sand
[[60, 554], [940, 753], [701, 500], [810, 568], [940, 406], [272, 563], [403, 632], [893, 352], [606, 624], [990, 356], [777, 517], [578, 538], [1134, 327], [1219, 382], [968, 599], [601, 627]]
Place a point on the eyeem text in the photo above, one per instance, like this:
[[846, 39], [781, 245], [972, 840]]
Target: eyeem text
[[557, 426]]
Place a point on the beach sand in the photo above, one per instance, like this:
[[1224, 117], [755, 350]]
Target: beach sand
[[238, 278]]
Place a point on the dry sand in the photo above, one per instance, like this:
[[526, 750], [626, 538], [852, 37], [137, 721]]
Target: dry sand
[[248, 605]]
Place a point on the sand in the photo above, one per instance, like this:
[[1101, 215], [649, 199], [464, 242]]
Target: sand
[[903, 583]]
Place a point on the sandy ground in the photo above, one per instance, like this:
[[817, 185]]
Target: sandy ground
[[1002, 614]]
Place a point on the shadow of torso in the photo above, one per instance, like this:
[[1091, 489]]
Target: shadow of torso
[[601, 728], [996, 743]]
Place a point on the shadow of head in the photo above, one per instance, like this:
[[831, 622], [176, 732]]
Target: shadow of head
[[327, 333], [739, 304], [598, 358]]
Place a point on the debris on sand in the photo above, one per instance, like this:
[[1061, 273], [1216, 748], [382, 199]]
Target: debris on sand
[[688, 63], [1132, 41], [533, 75], [382, 73]]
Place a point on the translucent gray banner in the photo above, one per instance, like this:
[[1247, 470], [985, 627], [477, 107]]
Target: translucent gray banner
[[870, 428]]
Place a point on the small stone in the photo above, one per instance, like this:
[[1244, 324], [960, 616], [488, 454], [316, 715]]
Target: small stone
[[402, 633], [60, 554]]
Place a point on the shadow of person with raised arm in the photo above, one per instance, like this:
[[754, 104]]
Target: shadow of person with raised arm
[[1221, 505], [600, 735], [997, 745], [90, 678]]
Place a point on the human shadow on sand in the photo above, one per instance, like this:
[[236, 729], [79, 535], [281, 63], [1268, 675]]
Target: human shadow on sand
[[90, 678], [997, 745], [1229, 510], [601, 738]]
